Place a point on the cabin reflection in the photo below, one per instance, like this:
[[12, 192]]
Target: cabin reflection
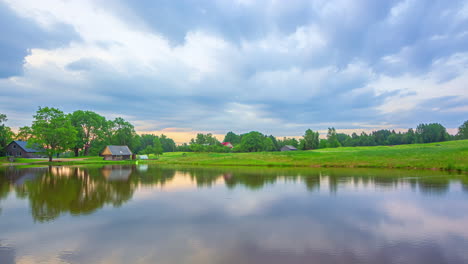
[[18, 177], [116, 172]]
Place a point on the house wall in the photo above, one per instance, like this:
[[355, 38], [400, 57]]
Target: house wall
[[16, 151], [106, 152], [117, 157]]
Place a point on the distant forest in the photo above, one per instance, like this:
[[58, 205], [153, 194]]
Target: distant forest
[[86, 133]]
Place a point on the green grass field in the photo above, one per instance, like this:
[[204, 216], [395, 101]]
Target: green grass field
[[452, 155]]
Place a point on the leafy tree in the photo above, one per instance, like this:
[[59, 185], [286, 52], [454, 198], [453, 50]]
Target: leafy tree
[[24, 133], [123, 133], [200, 139], [366, 140], [211, 140], [252, 142], [53, 131], [394, 139], [332, 138], [352, 141], [410, 137], [434, 132], [342, 137], [381, 136], [205, 143], [168, 144], [311, 140], [275, 142], [233, 138], [89, 126], [158, 148], [463, 131], [268, 144], [147, 139], [183, 148], [6, 135], [323, 143], [196, 147], [203, 139]]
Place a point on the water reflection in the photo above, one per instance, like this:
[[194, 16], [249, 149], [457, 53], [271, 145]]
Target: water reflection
[[7, 254], [149, 214], [81, 190]]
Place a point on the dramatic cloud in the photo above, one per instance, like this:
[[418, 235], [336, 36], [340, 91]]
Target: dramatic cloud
[[274, 66]]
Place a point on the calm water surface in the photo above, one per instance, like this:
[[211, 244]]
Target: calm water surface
[[146, 214]]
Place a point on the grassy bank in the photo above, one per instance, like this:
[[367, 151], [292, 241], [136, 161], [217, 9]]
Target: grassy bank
[[452, 155]]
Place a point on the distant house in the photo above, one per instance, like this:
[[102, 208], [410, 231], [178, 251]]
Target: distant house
[[116, 153], [288, 148], [227, 144], [19, 149]]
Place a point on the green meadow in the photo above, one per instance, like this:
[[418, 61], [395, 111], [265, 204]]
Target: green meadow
[[450, 155]]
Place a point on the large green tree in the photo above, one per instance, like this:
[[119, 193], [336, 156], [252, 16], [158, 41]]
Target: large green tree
[[311, 140], [6, 135], [89, 126], [268, 144], [203, 139], [463, 130], [52, 131], [123, 133], [252, 142], [155, 147], [434, 132], [332, 138], [168, 144], [232, 137]]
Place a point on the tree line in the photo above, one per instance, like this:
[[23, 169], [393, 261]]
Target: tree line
[[87, 133], [255, 141]]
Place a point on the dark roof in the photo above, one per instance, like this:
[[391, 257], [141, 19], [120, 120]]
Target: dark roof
[[289, 147], [35, 148], [119, 150]]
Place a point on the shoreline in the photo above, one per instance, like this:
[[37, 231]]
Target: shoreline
[[449, 156]]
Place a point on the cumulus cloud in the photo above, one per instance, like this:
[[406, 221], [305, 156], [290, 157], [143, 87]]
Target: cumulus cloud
[[245, 65]]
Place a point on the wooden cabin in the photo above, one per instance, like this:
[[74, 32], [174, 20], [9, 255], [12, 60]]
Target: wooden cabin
[[117, 153], [288, 148], [20, 149]]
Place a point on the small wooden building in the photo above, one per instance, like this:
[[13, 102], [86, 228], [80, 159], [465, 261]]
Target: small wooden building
[[288, 148], [20, 149], [116, 153]]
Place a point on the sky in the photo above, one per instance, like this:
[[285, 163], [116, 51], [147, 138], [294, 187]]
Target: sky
[[278, 67]]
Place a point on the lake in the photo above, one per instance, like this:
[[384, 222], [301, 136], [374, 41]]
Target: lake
[[151, 214]]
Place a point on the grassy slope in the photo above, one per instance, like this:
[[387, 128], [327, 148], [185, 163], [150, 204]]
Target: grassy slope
[[452, 155]]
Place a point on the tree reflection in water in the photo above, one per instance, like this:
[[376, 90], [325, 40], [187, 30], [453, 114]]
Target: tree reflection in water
[[53, 191]]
